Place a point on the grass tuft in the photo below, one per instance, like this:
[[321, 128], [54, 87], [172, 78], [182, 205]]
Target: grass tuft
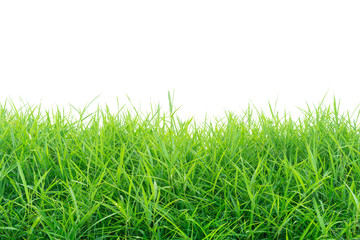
[[130, 176]]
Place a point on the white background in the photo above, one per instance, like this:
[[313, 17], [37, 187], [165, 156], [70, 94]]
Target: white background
[[215, 55]]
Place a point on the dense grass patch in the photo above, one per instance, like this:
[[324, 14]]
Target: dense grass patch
[[130, 176]]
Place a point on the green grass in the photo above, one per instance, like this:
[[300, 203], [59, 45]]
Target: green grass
[[129, 175]]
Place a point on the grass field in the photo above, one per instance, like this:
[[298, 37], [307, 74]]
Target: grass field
[[129, 175]]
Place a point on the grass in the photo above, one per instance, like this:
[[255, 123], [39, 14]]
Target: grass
[[128, 175]]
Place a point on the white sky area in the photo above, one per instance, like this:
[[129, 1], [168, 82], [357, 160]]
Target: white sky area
[[213, 55]]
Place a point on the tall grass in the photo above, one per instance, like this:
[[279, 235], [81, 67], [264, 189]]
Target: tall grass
[[130, 176]]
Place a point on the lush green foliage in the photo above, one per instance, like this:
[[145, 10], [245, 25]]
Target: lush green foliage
[[127, 176]]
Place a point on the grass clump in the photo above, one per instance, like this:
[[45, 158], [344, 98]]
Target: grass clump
[[128, 176]]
